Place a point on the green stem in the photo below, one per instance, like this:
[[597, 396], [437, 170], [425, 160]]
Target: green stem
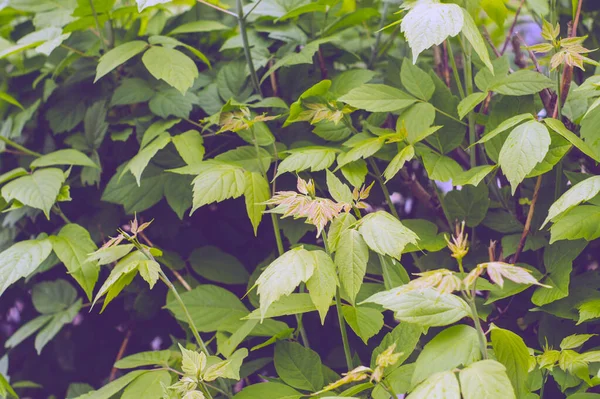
[[386, 193], [252, 9], [19, 147], [340, 315], [244, 34], [60, 213], [373, 57], [480, 333], [461, 91], [100, 33], [559, 168], [469, 86]]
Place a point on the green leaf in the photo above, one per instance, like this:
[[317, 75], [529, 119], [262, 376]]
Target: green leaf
[[504, 126], [470, 102], [361, 149], [521, 83], [416, 81], [199, 26], [453, 347], [112, 388], [385, 234], [313, 158], [322, 283], [132, 91], [134, 198], [472, 34], [148, 386], [178, 192], [511, 351], [560, 128], [406, 337], [378, 98], [268, 390], [364, 321], [425, 307], [144, 359], [38, 190], [216, 182], [470, 204], [55, 325], [575, 341], [229, 345], [285, 306], [10, 99], [351, 261], [12, 174], [53, 296], [439, 386], [355, 172], [496, 10], [64, 157], [149, 270], [579, 222], [397, 163], [298, 366], [283, 275], [589, 309], [430, 23], [73, 245], [215, 265], [338, 190], [21, 259], [170, 102], [138, 163], [525, 146], [118, 56], [580, 192], [209, 306], [440, 167], [473, 176], [124, 267], [172, 66], [348, 80], [486, 378], [107, 255], [190, 146], [248, 158], [156, 129], [256, 193], [27, 330]]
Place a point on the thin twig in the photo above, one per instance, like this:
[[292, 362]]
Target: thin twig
[[322, 64], [206, 3], [101, 35], [545, 94], [512, 28], [74, 50], [374, 52], [177, 275], [247, 53], [122, 349], [536, 192], [252, 9], [19, 147]]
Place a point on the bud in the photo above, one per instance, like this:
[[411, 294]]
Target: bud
[[443, 280], [460, 242]]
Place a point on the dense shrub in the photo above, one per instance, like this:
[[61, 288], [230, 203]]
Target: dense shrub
[[289, 198]]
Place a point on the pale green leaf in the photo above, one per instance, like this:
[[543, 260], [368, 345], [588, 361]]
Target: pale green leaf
[[339, 224], [511, 351], [579, 222], [26, 330], [148, 386], [138, 163], [322, 283], [561, 129], [364, 321], [425, 307], [64, 157], [397, 163], [521, 83], [73, 245], [38, 190], [485, 379], [268, 390], [21, 259], [351, 261], [118, 56], [429, 23], [190, 146], [192, 362], [216, 182], [172, 66], [416, 81], [53, 296], [283, 275], [385, 234], [248, 158], [525, 147], [144, 359], [469, 103], [361, 149], [256, 193], [378, 98], [496, 10], [504, 126], [199, 26], [312, 158], [149, 270], [473, 176], [126, 265], [473, 36], [156, 129], [442, 385], [112, 388], [55, 325], [338, 190], [575, 341], [440, 167], [453, 347], [285, 306], [580, 192]]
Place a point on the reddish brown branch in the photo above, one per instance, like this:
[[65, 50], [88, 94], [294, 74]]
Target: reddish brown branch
[[122, 349], [512, 28], [536, 192]]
